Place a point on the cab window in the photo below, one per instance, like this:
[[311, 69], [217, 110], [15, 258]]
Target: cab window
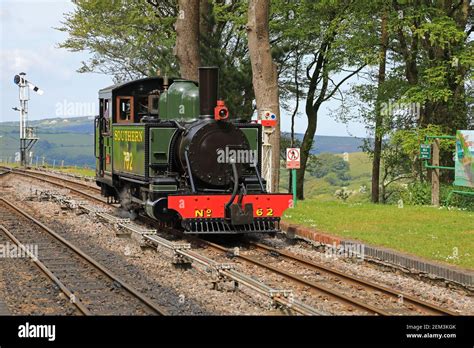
[[153, 104], [142, 107], [106, 116], [125, 110]]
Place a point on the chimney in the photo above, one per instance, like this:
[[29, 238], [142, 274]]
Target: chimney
[[208, 85]]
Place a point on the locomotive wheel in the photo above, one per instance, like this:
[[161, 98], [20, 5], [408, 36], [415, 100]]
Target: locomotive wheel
[[126, 203]]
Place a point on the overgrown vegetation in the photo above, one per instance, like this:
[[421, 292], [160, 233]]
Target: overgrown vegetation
[[330, 177]]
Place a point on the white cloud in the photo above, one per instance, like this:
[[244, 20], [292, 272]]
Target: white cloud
[[46, 60]]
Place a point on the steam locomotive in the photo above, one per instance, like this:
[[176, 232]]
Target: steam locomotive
[[167, 147]]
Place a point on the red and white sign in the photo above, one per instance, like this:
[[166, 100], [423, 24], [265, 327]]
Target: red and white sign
[[267, 119], [293, 158]]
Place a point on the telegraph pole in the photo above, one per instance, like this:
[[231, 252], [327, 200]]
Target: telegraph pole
[[27, 134]]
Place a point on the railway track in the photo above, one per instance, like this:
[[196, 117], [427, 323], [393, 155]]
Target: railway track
[[90, 287], [4, 171], [395, 302], [333, 272], [79, 188], [326, 291], [25, 288]]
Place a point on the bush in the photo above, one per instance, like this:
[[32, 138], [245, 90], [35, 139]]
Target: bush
[[333, 179], [420, 194], [460, 201], [417, 193], [343, 194], [326, 164]]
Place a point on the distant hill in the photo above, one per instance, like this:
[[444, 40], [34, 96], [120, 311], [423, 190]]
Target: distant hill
[[72, 140], [84, 124], [333, 144], [68, 139]]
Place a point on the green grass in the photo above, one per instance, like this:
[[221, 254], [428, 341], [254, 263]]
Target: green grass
[[11, 165], [432, 233], [360, 165], [72, 169], [78, 171]]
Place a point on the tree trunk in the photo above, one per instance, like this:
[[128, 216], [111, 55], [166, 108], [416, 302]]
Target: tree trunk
[[264, 75], [306, 148], [204, 14], [312, 108], [295, 111], [378, 114], [187, 39]]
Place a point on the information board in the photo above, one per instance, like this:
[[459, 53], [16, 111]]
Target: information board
[[425, 151], [464, 158]]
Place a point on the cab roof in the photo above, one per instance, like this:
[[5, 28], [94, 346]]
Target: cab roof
[[134, 87]]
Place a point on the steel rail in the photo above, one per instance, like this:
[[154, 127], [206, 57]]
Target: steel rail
[[58, 176], [58, 183], [331, 293], [356, 280], [77, 302], [7, 171], [275, 294], [149, 303]]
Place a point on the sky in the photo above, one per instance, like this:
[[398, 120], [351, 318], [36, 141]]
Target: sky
[[29, 44]]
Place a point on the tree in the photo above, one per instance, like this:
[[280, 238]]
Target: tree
[[187, 38], [340, 42], [134, 39], [395, 167], [435, 46], [265, 77], [378, 112], [127, 40], [430, 58], [327, 163]]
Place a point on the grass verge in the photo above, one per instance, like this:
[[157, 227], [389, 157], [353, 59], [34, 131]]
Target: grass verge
[[436, 234]]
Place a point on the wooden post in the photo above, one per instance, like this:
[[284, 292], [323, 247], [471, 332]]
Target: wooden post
[[435, 175], [264, 78]]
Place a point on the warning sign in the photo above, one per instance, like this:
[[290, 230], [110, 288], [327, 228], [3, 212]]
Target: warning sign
[[293, 158]]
